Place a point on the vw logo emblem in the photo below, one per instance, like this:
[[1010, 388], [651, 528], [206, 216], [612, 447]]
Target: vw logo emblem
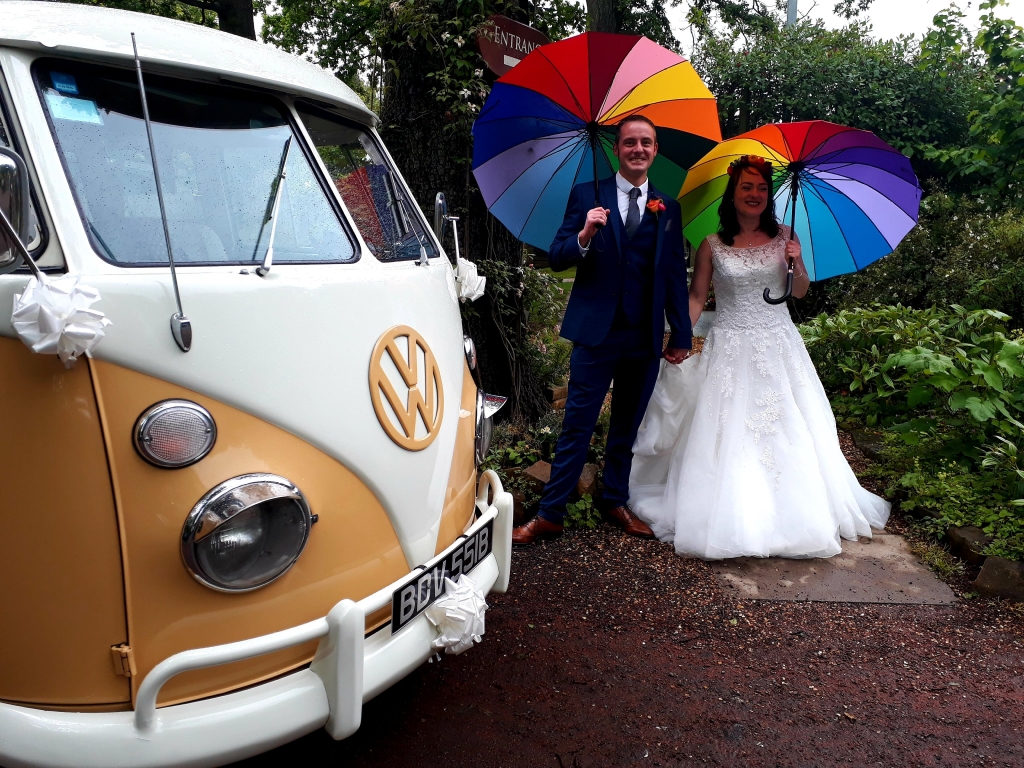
[[401, 360]]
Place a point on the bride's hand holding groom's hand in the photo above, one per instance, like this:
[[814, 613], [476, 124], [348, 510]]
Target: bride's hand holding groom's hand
[[676, 356]]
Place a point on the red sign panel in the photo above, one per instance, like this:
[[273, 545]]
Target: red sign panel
[[504, 43]]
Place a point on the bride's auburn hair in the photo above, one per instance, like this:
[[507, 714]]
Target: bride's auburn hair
[[729, 224]]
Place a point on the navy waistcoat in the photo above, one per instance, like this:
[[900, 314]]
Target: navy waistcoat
[[637, 262]]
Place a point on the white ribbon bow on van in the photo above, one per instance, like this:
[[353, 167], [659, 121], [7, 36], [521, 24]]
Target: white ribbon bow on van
[[471, 283], [54, 318]]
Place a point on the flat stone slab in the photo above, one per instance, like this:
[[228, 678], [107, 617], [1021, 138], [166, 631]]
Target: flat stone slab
[[877, 570]]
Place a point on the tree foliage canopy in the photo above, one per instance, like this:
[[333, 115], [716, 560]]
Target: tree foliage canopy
[[170, 9], [807, 72], [993, 159]]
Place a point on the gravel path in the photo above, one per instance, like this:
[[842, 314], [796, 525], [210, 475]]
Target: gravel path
[[612, 651]]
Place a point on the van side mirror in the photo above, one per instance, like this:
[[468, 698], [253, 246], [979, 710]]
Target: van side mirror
[[440, 215], [14, 204]]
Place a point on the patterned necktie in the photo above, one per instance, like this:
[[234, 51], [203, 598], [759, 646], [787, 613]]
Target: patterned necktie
[[633, 212]]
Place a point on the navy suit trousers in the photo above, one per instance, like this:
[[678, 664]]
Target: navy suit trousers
[[625, 357]]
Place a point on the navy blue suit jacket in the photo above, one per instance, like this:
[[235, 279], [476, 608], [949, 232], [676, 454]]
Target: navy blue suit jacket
[[598, 284]]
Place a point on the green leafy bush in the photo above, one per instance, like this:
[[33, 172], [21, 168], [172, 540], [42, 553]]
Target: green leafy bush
[[946, 493], [894, 363], [582, 514], [518, 445], [947, 389], [959, 253], [545, 299]]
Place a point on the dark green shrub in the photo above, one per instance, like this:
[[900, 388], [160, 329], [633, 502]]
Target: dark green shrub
[[960, 253], [545, 297], [894, 363], [947, 387]]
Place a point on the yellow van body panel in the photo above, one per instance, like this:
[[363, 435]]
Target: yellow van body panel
[[460, 496], [62, 603], [352, 551]]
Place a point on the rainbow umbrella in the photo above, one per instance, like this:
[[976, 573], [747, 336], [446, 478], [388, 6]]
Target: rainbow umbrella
[[849, 196], [549, 124]]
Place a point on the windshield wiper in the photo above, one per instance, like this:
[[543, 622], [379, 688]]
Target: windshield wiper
[[102, 242], [413, 222], [271, 215]]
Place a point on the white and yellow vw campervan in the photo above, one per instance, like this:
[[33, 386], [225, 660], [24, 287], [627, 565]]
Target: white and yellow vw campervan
[[223, 524]]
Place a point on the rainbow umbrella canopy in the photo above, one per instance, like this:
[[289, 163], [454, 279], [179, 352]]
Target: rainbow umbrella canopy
[[852, 196], [549, 124]]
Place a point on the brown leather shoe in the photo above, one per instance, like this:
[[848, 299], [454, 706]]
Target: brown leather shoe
[[536, 530], [624, 518]]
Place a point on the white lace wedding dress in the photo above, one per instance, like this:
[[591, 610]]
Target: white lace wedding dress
[[738, 452]]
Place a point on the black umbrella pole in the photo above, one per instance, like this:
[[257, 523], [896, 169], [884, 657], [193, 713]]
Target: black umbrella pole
[[597, 192], [792, 236]]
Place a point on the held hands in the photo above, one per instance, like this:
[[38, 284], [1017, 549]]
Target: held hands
[[676, 356], [596, 218]]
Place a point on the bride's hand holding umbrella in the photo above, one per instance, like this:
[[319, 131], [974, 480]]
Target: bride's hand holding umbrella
[[801, 280]]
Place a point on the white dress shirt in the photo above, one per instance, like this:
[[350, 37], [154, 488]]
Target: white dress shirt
[[623, 188]]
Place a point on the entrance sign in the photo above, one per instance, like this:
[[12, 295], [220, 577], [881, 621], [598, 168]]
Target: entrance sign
[[504, 43]]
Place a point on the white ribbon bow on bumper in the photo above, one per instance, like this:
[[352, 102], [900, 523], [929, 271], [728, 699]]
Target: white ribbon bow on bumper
[[458, 616], [54, 318]]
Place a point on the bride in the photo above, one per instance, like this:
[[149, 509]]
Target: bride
[[738, 452]]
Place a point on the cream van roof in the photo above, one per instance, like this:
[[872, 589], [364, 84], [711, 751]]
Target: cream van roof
[[62, 29]]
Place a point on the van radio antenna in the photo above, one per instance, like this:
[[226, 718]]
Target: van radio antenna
[[181, 326]]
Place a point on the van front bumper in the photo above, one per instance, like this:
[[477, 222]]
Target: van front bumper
[[348, 670]]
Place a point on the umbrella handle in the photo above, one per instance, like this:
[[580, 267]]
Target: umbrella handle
[[792, 236], [593, 153], [785, 294]]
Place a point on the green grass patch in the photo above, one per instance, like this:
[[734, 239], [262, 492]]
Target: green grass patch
[[568, 274]]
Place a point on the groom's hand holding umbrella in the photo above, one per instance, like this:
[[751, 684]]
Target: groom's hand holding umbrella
[[596, 219]]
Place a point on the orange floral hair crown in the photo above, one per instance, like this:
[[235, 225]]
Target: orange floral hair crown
[[746, 161]]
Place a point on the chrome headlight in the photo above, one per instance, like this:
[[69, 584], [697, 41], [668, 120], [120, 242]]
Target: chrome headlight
[[486, 407], [174, 433], [246, 532], [470, 348]]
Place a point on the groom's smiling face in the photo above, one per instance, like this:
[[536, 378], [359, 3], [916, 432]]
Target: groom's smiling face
[[636, 148]]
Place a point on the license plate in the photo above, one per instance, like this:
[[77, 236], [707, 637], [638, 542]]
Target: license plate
[[413, 597]]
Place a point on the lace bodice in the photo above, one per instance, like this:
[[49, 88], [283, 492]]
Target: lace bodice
[[740, 276]]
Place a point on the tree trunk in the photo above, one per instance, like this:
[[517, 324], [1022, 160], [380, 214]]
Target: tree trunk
[[744, 117], [233, 16], [603, 15], [433, 149]]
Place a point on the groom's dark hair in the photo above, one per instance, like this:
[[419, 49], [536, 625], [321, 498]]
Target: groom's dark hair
[[635, 119], [729, 225]]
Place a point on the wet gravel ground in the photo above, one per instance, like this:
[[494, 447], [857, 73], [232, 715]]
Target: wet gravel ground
[[612, 651]]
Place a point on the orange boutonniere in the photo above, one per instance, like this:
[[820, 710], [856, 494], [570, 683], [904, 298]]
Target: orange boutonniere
[[655, 205]]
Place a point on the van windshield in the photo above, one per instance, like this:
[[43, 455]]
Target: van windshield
[[381, 207], [219, 150]]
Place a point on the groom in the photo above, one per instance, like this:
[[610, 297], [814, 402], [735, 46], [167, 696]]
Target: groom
[[631, 275]]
